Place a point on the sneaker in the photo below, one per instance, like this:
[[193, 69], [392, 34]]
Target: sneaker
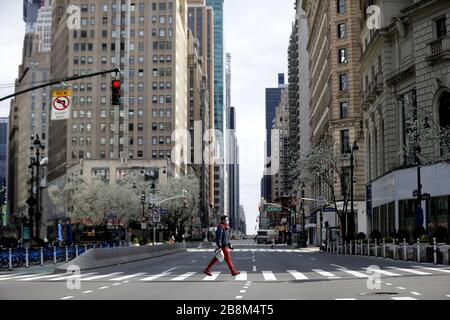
[[235, 273], [207, 272]]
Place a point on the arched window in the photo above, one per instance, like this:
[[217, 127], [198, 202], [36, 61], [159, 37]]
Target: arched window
[[444, 116]]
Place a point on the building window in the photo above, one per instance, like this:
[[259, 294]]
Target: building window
[[444, 118], [342, 30], [345, 141], [344, 110], [343, 82], [341, 6], [441, 27], [342, 56]]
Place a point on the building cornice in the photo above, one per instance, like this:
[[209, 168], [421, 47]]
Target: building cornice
[[418, 6], [398, 77]]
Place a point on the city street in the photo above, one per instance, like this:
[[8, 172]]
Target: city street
[[279, 273]]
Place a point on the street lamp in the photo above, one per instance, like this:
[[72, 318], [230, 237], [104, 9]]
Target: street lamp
[[351, 151]]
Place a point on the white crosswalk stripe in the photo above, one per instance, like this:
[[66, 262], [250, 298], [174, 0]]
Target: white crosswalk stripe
[[66, 277], [183, 276], [386, 273], [325, 274], [421, 273], [434, 269], [102, 276], [128, 277], [214, 276], [242, 276], [269, 276], [297, 275], [15, 277], [41, 277], [157, 276], [354, 273]]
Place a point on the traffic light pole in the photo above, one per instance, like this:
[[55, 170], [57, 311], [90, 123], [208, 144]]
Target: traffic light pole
[[68, 79]]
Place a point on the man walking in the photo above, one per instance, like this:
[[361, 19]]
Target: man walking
[[223, 244]]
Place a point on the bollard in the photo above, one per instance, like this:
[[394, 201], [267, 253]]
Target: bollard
[[384, 249], [85, 248], [93, 246], [54, 255], [76, 250], [405, 252], [418, 250], [395, 248], [362, 250], [26, 258], [376, 248], [42, 256], [67, 254], [434, 251], [10, 259]]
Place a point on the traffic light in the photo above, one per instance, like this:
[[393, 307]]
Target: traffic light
[[186, 204], [143, 198], [115, 89]]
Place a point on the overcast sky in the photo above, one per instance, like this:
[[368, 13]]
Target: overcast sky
[[257, 35]]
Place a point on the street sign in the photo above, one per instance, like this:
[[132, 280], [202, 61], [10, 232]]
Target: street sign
[[156, 216], [61, 103], [26, 233], [273, 209], [143, 226], [321, 201], [426, 196], [154, 199], [329, 210], [164, 212]]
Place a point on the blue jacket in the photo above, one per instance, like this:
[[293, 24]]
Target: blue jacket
[[222, 236]]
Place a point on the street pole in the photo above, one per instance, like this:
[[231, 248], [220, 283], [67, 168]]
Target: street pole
[[321, 226], [351, 191]]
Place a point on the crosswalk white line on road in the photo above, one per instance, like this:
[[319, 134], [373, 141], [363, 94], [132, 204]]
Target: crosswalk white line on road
[[242, 276], [41, 277], [355, 273], [269, 276], [297, 275], [157, 276], [384, 272], [128, 277], [433, 269], [403, 298], [10, 275], [15, 277], [71, 276], [183, 276], [421, 273], [102, 276], [325, 274], [213, 277]]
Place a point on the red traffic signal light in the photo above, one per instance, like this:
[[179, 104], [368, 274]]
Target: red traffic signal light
[[115, 89]]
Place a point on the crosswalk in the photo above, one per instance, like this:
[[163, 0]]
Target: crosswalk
[[305, 250], [331, 273]]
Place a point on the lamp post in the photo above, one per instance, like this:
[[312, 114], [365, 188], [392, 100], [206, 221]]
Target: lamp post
[[352, 169]]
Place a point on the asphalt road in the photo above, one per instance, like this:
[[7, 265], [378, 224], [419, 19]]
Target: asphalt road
[[279, 273]]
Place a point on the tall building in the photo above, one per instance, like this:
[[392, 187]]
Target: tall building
[[335, 114], [3, 170], [242, 224], [148, 42], [29, 116], [219, 106], [273, 96], [38, 18], [406, 84]]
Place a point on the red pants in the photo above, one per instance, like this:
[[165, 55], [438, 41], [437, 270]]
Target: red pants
[[227, 258]]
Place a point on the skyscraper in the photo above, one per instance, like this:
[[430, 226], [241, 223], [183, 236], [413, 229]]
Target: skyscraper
[[38, 17]]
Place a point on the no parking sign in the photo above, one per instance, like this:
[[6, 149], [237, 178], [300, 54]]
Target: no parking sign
[[61, 104]]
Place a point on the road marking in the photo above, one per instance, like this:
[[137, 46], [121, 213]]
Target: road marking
[[103, 288], [128, 277], [249, 282], [41, 277], [11, 274], [300, 255], [242, 276], [67, 298], [355, 273], [238, 297], [116, 284], [89, 291], [297, 275], [102, 276], [401, 288], [23, 276], [242, 291], [411, 271], [403, 298], [346, 299], [183, 276], [433, 269], [126, 281], [254, 260], [388, 284], [269, 276], [213, 277], [325, 274], [72, 276], [448, 295], [254, 268], [157, 276], [193, 261], [415, 293], [313, 259], [387, 273]]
